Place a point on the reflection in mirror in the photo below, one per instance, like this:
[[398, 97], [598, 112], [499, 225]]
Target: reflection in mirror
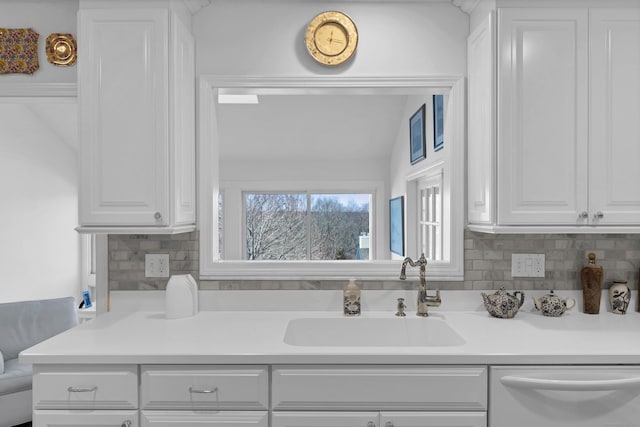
[[303, 176]]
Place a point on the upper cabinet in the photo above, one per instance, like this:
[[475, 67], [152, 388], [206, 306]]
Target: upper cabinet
[[554, 134], [137, 121]]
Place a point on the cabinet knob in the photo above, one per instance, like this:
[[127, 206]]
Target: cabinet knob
[[126, 424], [584, 215], [157, 215], [598, 215]]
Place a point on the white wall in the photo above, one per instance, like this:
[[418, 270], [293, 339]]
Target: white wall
[[39, 248], [258, 37]]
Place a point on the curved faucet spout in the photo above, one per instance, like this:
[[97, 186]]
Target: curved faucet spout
[[424, 300]]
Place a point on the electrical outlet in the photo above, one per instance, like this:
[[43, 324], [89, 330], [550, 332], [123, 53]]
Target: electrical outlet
[[156, 265], [527, 265]]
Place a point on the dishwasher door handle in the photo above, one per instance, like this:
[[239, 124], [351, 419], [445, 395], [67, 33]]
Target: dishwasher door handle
[[571, 385]]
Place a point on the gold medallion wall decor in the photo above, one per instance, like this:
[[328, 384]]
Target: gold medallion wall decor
[[18, 51], [331, 38], [61, 49]]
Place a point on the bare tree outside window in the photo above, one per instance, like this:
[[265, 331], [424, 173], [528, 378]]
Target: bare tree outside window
[[276, 226], [336, 227], [303, 226]]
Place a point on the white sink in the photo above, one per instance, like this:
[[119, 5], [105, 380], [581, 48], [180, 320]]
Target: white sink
[[371, 332]]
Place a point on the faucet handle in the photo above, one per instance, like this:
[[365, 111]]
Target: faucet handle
[[401, 307], [434, 301]]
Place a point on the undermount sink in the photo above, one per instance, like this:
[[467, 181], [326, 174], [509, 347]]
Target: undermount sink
[[371, 332]]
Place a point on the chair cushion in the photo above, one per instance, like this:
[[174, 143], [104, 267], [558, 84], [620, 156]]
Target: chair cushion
[[26, 323], [16, 377]]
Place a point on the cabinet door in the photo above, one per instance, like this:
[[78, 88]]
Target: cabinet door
[[69, 418], [204, 419], [481, 138], [182, 113], [123, 94], [542, 116], [614, 156], [325, 419], [433, 419]]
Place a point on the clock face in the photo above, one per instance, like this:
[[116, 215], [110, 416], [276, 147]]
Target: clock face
[[331, 38]]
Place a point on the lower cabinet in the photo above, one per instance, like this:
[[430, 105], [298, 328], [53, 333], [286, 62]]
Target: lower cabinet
[[204, 418], [204, 396], [379, 419], [259, 396], [378, 396], [85, 418]]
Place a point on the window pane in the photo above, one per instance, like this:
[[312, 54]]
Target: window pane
[[340, 226], [276, 226]]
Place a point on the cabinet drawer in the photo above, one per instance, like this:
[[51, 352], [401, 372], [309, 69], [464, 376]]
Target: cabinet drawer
[[85, 387], [99, 418], [199, 387], [379, 387], [204, 419]]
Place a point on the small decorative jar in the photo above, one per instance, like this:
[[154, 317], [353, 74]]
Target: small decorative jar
[[619, 296]]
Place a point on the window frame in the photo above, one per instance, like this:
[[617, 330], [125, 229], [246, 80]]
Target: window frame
[[212, 269]]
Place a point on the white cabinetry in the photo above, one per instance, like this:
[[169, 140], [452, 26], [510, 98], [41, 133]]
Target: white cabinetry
[[204, 395], [542, 115], [137, 121], [553, 147], [85, 418], [322, 396], [379, 419], [85, 395], [614, 117]]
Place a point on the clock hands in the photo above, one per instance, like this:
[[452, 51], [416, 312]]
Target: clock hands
[[331, 39]]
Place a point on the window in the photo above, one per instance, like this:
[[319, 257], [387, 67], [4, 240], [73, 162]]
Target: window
[[429, 196], [305, 226]]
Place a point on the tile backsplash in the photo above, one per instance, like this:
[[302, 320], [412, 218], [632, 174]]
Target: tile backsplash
[[487, 262]]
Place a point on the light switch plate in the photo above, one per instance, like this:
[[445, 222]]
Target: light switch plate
[[156, 265], [527, 265]]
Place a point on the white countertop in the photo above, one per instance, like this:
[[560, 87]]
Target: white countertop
[[233, 336]]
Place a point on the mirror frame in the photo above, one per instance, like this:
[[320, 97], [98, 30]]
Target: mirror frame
[[210, 269]]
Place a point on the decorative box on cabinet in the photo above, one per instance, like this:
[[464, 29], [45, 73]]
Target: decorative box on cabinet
[[137, 121], [552, 147]]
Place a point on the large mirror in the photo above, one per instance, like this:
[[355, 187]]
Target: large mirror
[[296, 177]]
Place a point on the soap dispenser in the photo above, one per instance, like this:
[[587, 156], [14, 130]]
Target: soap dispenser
[[351, 299], [591, 277]]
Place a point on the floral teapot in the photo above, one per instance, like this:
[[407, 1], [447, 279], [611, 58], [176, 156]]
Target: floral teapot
[[552, 305], [502, 304]]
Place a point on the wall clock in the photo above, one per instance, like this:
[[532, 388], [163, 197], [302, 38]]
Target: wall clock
[[331, 38]]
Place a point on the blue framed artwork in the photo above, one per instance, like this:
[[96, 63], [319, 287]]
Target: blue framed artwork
[[396, 225], [438, 122], [417, 141]]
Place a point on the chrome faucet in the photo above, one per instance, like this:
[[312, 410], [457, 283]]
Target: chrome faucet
[[424, 301]]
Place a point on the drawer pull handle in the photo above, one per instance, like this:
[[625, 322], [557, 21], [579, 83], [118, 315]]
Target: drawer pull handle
[[202, 391], [126, 424], [82, 389], [371, 424], [388, 424], [571, 385]]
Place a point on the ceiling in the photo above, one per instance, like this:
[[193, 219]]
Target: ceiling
[[313, 127]]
